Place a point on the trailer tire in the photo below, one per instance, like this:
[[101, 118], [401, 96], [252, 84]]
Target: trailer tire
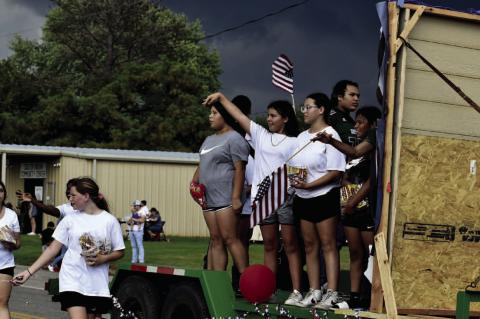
[[185, 301], [138, 295]]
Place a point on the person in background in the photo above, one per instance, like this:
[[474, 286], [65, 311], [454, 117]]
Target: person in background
[[46, 235], [60, 212], [358, 211], [345, 99], [244, 230], [136, 224], [154, 223], [10, 226], [144, 209]]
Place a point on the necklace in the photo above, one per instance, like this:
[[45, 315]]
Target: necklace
[[273, 144]]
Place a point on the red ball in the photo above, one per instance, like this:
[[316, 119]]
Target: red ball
[[257, 283]]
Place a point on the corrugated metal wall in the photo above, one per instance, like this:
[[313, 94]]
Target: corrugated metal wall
[[163, 185], [13, 182]]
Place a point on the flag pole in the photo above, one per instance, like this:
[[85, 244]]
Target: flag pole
[[293, 103], [301, 149]]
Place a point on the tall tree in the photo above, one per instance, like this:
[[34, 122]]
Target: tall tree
[[109, 73]]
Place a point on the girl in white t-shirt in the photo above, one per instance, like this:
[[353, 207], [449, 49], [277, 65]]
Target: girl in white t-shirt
[[94, 239], [272, 148], [10, 241], [317, 200]]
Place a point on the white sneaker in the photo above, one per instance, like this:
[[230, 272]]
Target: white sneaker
[[31, 234], [294, 298], [311, 298], [329, 299]]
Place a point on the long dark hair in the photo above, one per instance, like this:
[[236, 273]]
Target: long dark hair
[[5, 192], [86, 185], [285, 109]]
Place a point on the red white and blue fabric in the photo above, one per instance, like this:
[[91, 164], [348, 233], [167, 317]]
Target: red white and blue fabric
[[282, 73], [272, 193]]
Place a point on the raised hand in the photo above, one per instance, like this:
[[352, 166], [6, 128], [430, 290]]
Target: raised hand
[[323, 137], [212, 98]]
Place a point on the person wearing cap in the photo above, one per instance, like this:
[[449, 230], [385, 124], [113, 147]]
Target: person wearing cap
[[136, 224]]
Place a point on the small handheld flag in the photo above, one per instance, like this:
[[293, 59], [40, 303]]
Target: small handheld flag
[[282, 73]]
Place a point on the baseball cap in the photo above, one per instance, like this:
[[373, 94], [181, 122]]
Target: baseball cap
[[137, 202]]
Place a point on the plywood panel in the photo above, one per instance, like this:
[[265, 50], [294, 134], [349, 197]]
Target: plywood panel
[[448, 59], [427, 86], [447, 31], [439, 117], [437, 229]]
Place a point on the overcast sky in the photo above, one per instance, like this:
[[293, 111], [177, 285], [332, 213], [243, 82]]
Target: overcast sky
[[326, 40]]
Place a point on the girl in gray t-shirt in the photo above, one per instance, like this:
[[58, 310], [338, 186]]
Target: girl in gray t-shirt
[[223, 156]]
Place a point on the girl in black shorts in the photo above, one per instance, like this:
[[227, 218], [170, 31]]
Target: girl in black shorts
[[357, 212], [317, 200]]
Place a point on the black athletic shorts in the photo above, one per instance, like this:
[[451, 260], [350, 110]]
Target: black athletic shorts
[[318, 208], [7, 271], [361, 219], [93, 304]]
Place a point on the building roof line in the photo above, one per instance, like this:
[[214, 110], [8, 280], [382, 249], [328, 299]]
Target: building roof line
[[102, 154]]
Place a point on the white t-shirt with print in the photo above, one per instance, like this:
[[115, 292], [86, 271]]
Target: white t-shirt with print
[[65, 210], [9, 219], [318, 158], [271, 151], [75, 274]]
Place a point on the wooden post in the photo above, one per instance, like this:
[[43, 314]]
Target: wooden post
[[385, 276], [393, 13]]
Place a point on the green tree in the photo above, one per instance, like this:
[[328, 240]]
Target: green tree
[[109, 73]]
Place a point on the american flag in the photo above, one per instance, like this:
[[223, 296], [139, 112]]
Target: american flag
[[272, 193], [282, 73]]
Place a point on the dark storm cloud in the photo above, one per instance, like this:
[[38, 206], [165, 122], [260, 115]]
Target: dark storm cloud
[[327, 41]]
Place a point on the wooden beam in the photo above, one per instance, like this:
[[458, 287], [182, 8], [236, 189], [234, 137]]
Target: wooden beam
[[409, 27], [385, 276], [445, 12], [397, 130], [372, 315], [393, 14]]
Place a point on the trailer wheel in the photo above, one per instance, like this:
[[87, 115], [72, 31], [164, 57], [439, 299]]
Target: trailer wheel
[[185, 301], [139, 296]]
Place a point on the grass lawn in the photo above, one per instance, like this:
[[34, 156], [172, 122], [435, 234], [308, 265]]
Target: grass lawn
[[181, 252]]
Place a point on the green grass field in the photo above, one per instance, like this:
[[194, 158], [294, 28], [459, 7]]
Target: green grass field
[[180, 252]]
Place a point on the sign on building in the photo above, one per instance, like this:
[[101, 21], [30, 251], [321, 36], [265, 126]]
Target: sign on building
[[33, 170]]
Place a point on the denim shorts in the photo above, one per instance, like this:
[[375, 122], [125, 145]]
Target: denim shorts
[[283, 215]]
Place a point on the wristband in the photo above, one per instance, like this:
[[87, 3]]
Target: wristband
[[28, 270]]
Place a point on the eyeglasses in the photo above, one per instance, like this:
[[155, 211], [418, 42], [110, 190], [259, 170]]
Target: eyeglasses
[[306, 108]]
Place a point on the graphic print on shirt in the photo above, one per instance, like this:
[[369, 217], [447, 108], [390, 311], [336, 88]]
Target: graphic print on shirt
[[92, 247]]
